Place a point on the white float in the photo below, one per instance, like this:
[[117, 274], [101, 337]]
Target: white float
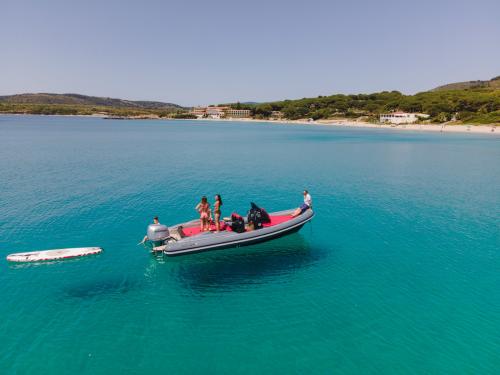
[[44, 255]]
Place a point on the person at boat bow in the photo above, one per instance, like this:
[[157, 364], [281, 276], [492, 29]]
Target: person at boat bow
[[305, 206]]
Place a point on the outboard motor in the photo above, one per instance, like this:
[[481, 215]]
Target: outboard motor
[[258, 216], [158, 233]]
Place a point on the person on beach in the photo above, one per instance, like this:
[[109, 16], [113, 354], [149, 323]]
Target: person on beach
[[155, 221], [204, 209], [217, 212], [305, 206]]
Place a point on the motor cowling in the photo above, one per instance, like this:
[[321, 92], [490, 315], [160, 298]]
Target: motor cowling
[[158, 232]]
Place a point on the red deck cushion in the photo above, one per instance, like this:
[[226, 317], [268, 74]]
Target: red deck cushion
[[275, 220]]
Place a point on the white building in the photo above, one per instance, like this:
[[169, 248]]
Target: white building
[[216, 112], [402, 117], [237, 113], [199, 112], [220, 112]]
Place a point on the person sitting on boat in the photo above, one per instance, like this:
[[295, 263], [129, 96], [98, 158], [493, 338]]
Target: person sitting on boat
[[178, 233], [305, 206], [155, 221], [204, 209], [217, 211]]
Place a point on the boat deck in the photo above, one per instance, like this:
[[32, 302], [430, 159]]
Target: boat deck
[[275, 220]]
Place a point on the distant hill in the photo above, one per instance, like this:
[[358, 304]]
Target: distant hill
[[77, 99], [493, 83]]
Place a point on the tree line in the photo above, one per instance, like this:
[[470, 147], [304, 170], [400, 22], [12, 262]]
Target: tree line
[[71, 109], [471, 106]]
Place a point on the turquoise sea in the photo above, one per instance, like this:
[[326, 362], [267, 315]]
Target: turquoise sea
[[399, 272]]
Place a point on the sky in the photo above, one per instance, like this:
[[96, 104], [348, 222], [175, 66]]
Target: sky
[[207, 52]]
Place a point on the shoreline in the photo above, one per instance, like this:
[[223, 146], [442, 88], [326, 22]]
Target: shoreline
[[492, 129]]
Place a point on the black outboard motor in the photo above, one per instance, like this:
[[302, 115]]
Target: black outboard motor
[[258, 216], [237, 223], [266, 219]]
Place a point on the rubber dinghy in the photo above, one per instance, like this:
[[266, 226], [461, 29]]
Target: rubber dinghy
[[57, 254], [281, 224]]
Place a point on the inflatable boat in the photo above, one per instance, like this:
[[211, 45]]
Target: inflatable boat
[[186, 238]]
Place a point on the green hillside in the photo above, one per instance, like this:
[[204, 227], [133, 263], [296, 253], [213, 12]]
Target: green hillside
[[493, 83], [77, 99], [75, 104], [471, 105]]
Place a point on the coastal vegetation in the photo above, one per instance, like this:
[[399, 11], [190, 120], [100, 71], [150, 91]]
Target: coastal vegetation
[[85, 100], [183, 115], [475, 105], [75, 104], [71, 109]]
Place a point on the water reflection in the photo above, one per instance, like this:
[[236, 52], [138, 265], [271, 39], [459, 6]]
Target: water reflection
[[46, 263], [243, 267]]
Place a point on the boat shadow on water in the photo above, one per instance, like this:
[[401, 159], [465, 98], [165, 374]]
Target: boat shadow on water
[[247, 266], [211, 272], [112, 286]]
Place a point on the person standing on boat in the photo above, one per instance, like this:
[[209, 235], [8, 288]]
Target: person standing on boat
[[307, 204], [204, 209], [217, 212]]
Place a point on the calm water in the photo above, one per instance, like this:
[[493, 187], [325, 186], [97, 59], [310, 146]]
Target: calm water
[[398, 273]]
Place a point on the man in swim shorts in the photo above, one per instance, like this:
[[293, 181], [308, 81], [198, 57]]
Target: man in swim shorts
[[305, 206]]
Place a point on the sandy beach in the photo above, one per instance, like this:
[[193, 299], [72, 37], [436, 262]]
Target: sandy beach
[[345, 123], [443, 128]]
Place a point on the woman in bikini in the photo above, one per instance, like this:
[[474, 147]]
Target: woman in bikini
[[204, 209], [217, 204]]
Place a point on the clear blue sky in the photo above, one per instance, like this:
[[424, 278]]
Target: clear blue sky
[[202, 52]]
